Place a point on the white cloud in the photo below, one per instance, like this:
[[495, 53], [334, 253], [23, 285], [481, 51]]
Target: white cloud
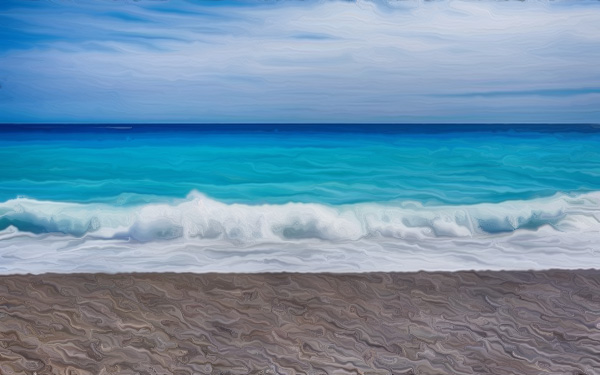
[[321, 61]]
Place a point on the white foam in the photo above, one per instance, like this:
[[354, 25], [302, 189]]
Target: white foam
[[200, 234], [199, 217]]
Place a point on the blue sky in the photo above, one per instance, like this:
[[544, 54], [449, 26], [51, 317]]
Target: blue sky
[[299, 61]]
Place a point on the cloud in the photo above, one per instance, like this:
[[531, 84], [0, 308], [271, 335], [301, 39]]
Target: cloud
[[300, 61], [556, 92]]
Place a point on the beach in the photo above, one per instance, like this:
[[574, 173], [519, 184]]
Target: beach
[[508, 322], [321, 187]]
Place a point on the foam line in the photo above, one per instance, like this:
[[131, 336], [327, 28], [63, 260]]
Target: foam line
[[204, 235]]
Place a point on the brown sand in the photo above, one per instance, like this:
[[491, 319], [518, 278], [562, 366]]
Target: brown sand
[[378, 323]]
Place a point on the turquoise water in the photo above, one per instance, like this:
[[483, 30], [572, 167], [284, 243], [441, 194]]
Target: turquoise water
[[260, 198], [336, 167]]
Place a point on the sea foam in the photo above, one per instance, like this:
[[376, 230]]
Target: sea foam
[[200, 234], [199, 218]]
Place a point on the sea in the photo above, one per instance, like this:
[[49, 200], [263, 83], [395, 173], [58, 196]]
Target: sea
[[298, 197]]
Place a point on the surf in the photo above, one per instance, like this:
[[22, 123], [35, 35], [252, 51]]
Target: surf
[[199, 217]]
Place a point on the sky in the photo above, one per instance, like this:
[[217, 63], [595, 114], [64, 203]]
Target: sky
[[397, 61]]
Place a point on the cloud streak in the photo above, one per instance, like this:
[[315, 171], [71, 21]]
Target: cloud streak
[[455, 61]]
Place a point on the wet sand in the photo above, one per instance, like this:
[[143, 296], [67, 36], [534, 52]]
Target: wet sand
[[376, 323]]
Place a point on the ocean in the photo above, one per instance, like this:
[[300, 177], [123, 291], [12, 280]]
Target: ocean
[[298, 198]]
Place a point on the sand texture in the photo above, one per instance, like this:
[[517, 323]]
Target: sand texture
[[376, 323]]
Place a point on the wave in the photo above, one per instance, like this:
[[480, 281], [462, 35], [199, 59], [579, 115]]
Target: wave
[[199, 234], [199, 218]]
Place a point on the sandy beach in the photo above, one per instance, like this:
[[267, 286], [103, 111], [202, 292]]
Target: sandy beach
[[376, 323]]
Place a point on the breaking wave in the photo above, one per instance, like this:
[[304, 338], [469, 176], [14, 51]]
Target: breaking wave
[[198, 218]]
